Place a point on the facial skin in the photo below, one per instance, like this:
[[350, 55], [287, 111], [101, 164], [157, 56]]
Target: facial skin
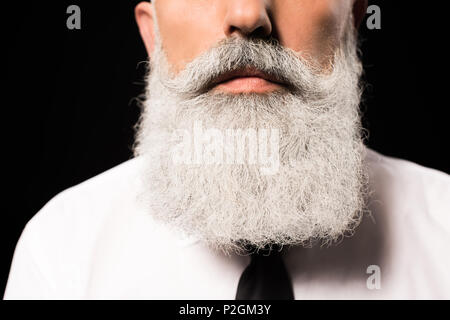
[[190, 27]]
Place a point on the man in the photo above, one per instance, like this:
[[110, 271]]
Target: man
[[250, 180]]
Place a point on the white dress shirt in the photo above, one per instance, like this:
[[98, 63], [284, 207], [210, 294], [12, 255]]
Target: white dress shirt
[[96, 241]]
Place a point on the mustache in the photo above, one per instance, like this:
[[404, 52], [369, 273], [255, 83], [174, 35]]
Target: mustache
[[229, 56]]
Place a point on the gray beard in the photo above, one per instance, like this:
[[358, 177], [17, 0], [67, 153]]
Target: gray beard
[[310, 186]]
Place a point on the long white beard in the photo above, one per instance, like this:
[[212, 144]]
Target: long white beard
[[315, 188]]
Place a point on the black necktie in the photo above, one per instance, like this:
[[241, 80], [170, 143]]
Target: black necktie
[[265, 278]]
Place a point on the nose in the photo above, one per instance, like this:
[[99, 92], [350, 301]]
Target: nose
[[247, 18]]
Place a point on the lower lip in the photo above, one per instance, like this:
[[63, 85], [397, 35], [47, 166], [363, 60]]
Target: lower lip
[[248, 85]]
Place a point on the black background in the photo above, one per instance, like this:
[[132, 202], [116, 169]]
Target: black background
[[68, 105]]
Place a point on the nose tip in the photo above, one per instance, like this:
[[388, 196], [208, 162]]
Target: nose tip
[[247, 18]]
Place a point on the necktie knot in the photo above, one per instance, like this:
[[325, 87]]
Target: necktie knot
[[266, 277]]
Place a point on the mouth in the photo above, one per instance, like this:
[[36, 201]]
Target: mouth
[[247, 80]]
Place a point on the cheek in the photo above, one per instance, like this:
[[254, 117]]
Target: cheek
[[187, 29], [312, 27]]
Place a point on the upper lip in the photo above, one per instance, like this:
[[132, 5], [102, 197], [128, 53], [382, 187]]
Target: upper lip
[[246, 72]]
